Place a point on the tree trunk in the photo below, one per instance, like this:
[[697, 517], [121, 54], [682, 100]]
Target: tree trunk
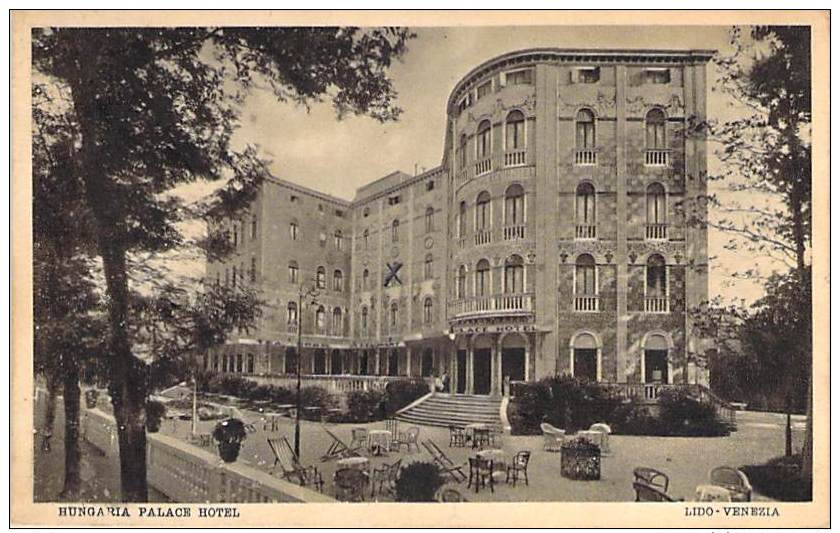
[[72, 450], [807, 446], [49, 415]]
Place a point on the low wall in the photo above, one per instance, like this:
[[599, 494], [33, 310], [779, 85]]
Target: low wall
[[188, 474], [333, 384]]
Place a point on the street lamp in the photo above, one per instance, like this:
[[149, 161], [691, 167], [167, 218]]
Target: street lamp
[[305, 294]]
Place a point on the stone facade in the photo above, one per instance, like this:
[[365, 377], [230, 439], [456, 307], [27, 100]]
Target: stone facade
[[550, 239]]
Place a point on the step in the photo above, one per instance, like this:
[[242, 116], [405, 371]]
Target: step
[[445, 409]]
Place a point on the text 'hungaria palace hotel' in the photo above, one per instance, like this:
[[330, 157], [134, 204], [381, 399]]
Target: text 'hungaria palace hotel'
[[550, 240]]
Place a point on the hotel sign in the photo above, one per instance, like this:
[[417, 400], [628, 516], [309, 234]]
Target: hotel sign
[[500, 328]]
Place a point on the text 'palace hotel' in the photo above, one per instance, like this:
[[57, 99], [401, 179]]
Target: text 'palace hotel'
[[550, 240]]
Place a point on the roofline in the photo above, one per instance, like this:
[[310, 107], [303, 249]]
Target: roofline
[[580, 54], [403, 184], [306, 190]]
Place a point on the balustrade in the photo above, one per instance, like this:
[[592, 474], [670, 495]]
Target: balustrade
[[656, 304], [483, 167], [494, 304], [483, 237], [586, 157], [657, 158], [656, 232], [587, 303], [585, 231], [512, 233], [515, 158]]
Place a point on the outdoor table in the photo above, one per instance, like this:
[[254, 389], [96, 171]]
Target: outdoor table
[[469, 430], [712, 493], [497, 456], [314, 413], [380, 438], [358, 463], [286, 408]]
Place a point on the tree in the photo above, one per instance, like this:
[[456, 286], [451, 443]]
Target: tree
[[69, 327], [155, 108]]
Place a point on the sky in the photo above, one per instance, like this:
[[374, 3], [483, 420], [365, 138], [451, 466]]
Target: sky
[[313, 148]]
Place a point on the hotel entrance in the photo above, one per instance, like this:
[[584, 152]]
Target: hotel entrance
[[487, 361], [461, 381], [481, 371]]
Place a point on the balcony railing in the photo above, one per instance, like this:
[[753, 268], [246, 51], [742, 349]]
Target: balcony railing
[[483, 237], [657, 158], [512, 233], [497, 303], [656, 304], [586, 157], [656, 232], [483, 167], [587, 303], [585, 231], [515, 158]]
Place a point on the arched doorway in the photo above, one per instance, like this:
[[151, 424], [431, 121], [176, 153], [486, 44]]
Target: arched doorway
[[482, 351], [584, 363], [427, 363], [336, 364], [513, 358], [320, 362], [656, 359], [393, 362], [461, 368]]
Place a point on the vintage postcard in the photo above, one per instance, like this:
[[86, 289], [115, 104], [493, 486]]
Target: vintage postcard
[[284, 268]]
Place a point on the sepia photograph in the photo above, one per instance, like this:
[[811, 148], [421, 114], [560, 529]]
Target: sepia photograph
[[361, 258]]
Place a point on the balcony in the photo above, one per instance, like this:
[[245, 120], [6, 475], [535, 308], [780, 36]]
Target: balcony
[[484, 236], [514, 233], [657, 158], [585, 231], [587, 157], [586, 303], [483, 167], [497, 304], [515, 158], [656, 304], [656, 232]]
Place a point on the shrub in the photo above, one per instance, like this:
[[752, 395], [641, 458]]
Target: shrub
[[577, 404], [364, 406], [154, 413], [281, 395], [418, 482], [317, 397], [780, 479], [681, 414], [400, 393], [260, 392], [528, 410]]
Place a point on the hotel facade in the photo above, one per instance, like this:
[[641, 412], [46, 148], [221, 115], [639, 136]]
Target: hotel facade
[[551, 239]]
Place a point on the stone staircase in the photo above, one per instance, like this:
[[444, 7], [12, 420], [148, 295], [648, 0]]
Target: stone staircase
[[444, 409]]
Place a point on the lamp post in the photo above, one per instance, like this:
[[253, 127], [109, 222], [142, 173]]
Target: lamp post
[[304, 294]]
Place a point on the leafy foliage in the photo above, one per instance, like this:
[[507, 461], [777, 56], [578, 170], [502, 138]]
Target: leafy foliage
[[418, 482], [402, 392]]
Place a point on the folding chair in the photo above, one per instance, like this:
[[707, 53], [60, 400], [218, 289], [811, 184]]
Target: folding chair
[[290, 465], [444, 463], [338, 449]]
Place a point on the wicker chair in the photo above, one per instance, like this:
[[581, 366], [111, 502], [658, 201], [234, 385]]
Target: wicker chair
[[408, 438], [552, 437], [733, 480], [651, 477], [385, 476]]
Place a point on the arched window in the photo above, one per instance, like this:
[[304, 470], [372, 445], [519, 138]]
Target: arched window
[[462, 151], [514, 275], [338, 323], [514, 205], [515, 131], [395, 313], [253, 227], [427, 267], [338, 281], [482, 211], [365, 238], [320, 319], [655, 203], [585, 206], [585, 275], [483, 140], [250, 368], [427, 311], [585, 130], [291, 313], [585, 357], [364, 323], [395, 230], [365, 279], [294, 230], [482, 278], [655, 130], [321, 278], [366, 212], [656, 277], [430, 219], [338, 239], [461, 283], [462, 219]]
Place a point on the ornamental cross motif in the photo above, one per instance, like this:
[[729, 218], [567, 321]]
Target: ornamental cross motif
[[393, 268]]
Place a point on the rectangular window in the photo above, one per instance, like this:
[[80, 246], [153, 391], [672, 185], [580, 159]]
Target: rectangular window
[[518, 77], [394, 200], [254, 228], [253, 273], [293, 274], [430, 185], [659, 76], [483, 90], [585, 135], [588, 75]]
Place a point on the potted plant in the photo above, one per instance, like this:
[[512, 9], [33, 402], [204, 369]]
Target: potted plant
[[418, 482], [580, 459], [154, 413], [91, 397], [229, 435]]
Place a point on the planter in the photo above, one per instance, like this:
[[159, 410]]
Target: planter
[[580, 462], [229, 451], [91, 397], [154, 414]]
